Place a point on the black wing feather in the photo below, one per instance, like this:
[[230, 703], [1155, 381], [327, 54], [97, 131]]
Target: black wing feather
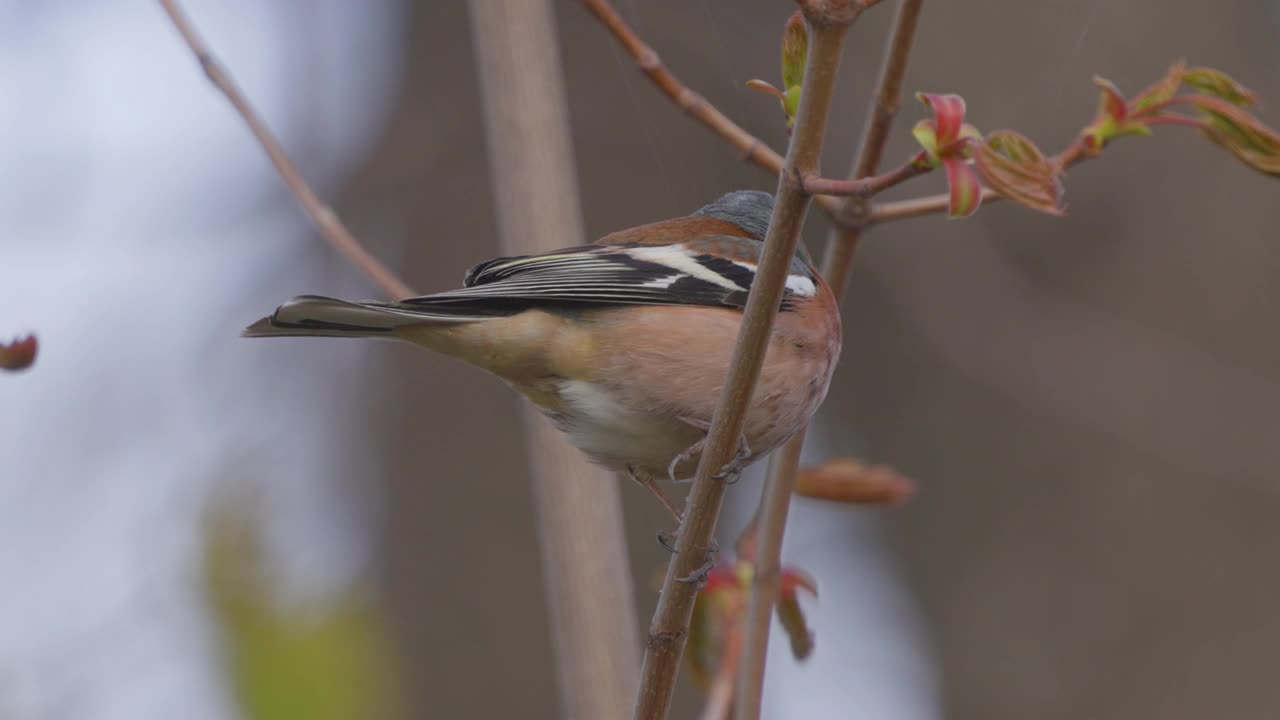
[[678, 274]]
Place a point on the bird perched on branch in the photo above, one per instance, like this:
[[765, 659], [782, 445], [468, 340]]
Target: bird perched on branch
[[625, 343]]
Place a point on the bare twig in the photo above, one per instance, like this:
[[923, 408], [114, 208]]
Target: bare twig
[[580, 527], [915, 207], [767, 530], [775, 499], [669, 629], [752, 148], [325, 219], [862, 187]]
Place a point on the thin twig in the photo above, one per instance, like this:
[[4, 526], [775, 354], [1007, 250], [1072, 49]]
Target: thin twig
[[915, 207], [767, 531], [770, 519], [669, 629], [325, 219], [862, 187], [752, 148]]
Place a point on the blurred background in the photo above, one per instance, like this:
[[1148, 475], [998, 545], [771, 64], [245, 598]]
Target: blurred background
[[194, 526]]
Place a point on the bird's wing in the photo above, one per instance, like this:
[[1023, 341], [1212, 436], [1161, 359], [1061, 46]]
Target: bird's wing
[[709, 270]]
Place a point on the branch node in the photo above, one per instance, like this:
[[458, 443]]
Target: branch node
[[648, 61], [833, 12], [855, 214], [664, 639], [691, 102], [209, 64]]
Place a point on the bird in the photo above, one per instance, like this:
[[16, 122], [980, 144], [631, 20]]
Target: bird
[[625, 343]]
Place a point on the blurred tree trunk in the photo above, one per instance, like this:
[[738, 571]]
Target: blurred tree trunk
[[587, 576]]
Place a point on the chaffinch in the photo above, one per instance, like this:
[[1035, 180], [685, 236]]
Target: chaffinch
[[624, 343]]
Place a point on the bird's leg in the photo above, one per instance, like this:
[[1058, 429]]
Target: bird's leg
[[686, 454], [647, 482], [731, 470]]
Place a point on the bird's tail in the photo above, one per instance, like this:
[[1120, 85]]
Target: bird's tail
[[316, 316]]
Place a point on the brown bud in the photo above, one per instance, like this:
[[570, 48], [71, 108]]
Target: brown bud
[[19, 354], [848, 480]]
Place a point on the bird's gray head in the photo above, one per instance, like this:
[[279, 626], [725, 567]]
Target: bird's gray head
[[748, 209]]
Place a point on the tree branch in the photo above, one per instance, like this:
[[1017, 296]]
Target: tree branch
[[775, 499], [915, 207], [325, 219], [669, 629], [862, 187], [752, 148]]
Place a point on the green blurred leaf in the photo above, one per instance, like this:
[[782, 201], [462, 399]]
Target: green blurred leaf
[[327, 663], [795, 50]]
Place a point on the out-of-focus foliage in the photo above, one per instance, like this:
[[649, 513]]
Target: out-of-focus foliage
[[795, 51], [19, 354], [320, 663]]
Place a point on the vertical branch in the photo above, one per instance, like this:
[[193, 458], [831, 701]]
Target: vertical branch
[[669, 629], [775, 499], [593, 622], [838, 259], [325, 219]]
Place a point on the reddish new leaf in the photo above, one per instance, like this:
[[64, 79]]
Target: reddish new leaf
[[1161, 91], [1013, 166], [716, 629], [948, 116], [964, 189], [791, 615]]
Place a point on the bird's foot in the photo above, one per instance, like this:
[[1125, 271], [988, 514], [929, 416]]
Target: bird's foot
[[734, 467], [732, 471], [699, 577], [667, 539]]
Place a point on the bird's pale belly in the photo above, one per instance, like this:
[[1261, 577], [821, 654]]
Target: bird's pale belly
[[614, 434], [629, 403], [617, 435]]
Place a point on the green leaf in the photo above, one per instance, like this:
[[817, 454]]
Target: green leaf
[[965, 189], [331, 662], [1161, 91], [1219, 84], [795, 50], [927, 136], [1240, 133]]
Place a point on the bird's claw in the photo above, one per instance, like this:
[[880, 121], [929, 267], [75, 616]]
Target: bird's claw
[[667, 539], [699, 577], [733, 469]]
